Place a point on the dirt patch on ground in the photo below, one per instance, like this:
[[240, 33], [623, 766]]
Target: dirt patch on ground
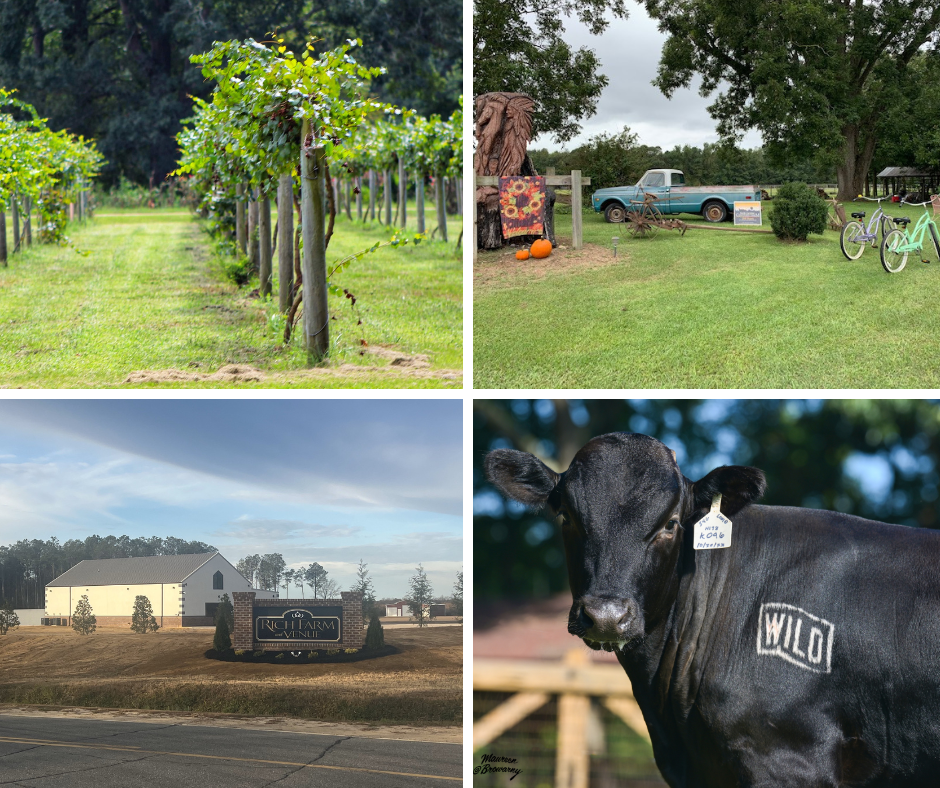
[[493, 269], [115, 668], [399, 365]]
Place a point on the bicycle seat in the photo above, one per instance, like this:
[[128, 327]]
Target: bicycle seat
[[902, 221], [858, 215]]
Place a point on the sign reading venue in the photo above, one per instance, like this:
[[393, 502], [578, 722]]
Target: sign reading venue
[[322, 624]]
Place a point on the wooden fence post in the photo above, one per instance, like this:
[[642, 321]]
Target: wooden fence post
[[475, 212], [419, 200], [373, 185], [252, 230], [441, 207], [359, 197], [577, 220], [3, 237], [388, 198], [264, 261], [316, 309], [402, 192], [460, 196], [285, 241], [16, 224], [348, 188], [240, 237], [28, 222]]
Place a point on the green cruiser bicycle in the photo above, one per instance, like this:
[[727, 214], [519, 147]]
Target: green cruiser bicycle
[[899, 243]]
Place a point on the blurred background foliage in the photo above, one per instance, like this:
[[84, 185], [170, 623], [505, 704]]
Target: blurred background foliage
[[873, 458]]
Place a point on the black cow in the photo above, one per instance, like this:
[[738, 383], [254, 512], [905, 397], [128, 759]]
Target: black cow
[[806, 653]]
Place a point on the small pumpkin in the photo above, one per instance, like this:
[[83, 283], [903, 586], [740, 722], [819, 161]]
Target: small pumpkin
[[522, 254], [541, 248]]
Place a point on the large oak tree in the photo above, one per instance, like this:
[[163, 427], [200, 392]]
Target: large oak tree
[[813, 76]]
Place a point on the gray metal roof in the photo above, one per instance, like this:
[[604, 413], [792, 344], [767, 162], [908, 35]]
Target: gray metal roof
[[132, 571], [904, 172]]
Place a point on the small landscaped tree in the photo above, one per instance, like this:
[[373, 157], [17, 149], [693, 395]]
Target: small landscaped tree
[[457, 599], [226, 611], [363, 585], [142, 620], [8, 618], [420, 596], [222, 641], [83, 619], [375, 635]]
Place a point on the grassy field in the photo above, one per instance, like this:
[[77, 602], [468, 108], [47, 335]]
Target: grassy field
[[712, 309], [149, 306], [421, 685]]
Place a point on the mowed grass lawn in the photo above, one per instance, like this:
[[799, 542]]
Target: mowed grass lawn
[[712, 309], [150, 295]]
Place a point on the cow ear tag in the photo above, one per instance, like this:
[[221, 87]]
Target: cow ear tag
[[713, 530]]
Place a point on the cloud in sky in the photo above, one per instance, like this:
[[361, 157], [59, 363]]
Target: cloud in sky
[[314, 480], [629, 52]]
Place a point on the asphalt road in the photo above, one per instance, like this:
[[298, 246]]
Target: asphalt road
[[49, 751]]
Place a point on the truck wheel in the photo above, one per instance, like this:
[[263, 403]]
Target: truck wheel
[[714, 211], [615, 213]]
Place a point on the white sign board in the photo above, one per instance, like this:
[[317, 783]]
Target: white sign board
[[747, 213]]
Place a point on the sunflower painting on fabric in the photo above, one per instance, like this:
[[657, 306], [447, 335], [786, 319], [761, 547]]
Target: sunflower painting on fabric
[[521, 205]]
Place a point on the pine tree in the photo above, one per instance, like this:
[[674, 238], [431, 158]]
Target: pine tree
[[363, 585], [142, 620], [83, 619], [222, 641], [457, 598], [375, 635], [227, 610], [420, 596]]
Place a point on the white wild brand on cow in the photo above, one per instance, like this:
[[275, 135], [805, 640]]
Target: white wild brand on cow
[[713, 530], [799, 637]]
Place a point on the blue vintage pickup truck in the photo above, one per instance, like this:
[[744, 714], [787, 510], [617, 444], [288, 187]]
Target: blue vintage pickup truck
[[715, 203]]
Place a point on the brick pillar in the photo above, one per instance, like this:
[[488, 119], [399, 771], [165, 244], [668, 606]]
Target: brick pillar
[[354, 636], [244, 604]]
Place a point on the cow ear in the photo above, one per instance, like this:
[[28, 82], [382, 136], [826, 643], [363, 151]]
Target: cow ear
[[738, 485], [520, 476]]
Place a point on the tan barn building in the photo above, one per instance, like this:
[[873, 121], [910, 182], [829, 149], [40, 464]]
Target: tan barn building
[[184, 590]]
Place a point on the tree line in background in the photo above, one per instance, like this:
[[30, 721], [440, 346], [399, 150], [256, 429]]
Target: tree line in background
[[26, 566], [878, 459], [621, 159], [120, 72]]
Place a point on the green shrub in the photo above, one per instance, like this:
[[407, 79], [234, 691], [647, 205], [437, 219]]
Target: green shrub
[[375, 635], [236, 269], [798, 211], [352, 651], [313, 654], [222, 641]]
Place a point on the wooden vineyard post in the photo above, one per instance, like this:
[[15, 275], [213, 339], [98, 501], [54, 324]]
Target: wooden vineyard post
[[252, 230], [419, 200], [285, 241], [264, 262], [347, 184], [441, 207], [27, 222], [240, 238], [316, 311], [402, 192], [388, 198], [577, 219], [359, 197], [16, 224], [3, 237], [373, 185], [460, 196]]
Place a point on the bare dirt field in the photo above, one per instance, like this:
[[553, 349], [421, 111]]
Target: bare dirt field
[[115, 668]]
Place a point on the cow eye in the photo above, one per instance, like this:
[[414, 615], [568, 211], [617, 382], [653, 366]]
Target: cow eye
[[672, 524]]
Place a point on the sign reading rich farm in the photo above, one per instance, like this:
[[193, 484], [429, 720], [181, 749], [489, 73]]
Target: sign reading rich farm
[[297, 624], [317, 625]]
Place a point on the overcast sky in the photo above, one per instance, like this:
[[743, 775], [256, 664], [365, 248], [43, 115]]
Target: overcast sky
[[330, 481], [629, 52]]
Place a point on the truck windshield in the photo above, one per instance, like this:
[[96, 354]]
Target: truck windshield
[[654, 179]]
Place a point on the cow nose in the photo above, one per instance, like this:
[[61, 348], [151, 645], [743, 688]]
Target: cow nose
[[605, 618]]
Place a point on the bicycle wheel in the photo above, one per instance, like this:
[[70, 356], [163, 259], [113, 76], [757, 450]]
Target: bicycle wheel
[[887, 225], [891, 259], [935, 237], [849, 241]]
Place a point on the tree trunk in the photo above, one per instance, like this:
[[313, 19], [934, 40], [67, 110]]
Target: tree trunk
[[252, 232], [16, 224], [857, 156], [285, 231], [264, 248], [241, 236], [316, 312]]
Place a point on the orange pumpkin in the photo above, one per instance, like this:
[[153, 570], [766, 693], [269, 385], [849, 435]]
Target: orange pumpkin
[[541, 248], [522, 254]]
